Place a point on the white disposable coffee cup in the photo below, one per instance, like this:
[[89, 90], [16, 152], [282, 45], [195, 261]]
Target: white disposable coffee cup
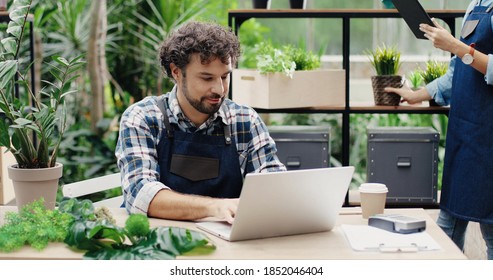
[[373, 197]]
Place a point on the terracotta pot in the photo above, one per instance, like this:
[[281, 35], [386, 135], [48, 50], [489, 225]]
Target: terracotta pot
[[32, 184], [386, 98]]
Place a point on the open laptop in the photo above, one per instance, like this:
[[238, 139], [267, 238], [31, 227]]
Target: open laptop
[[286, 203]]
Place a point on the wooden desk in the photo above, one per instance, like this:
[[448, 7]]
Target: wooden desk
[[321, 246]]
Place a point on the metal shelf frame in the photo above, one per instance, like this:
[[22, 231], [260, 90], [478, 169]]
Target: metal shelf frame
[[237, 17]]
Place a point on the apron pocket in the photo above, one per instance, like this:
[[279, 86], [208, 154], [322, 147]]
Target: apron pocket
[[469, 27], [194, 168]]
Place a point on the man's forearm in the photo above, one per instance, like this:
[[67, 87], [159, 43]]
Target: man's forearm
[[168, 204]]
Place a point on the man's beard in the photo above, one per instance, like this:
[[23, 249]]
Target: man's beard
[[201, 105]]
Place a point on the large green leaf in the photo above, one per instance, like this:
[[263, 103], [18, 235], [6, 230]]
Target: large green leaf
[[160, 243], [93, 235], [18, 13], [180, 241], [10, 45], [15, 29], [8, 69]]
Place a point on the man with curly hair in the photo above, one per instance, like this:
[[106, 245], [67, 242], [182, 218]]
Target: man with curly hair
[[183, 155]]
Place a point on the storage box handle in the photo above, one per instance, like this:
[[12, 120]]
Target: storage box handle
[[403, 161], [293, 162]]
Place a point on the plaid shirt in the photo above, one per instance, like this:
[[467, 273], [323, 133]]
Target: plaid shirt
[[142, 127]]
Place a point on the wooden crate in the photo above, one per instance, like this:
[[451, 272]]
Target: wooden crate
[[314, 88]]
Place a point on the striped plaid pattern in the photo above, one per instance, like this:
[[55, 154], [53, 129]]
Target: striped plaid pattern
[[142, 128]]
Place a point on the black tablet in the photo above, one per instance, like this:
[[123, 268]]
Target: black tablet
[[414, 14]]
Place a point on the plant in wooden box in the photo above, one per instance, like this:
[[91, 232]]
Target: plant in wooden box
[[287, 77], [434, 69], [32, 132], [386, 61], [286, 59]]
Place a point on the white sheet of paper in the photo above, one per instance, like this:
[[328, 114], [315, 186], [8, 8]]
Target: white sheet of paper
[[367, 238]]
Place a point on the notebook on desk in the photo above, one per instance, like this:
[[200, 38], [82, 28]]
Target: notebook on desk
[[286, 203]]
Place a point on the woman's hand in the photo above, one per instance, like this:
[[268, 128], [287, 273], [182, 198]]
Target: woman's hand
[[412, 97], [440, 37]]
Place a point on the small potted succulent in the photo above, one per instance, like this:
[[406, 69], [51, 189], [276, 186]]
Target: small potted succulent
[[386, 63]]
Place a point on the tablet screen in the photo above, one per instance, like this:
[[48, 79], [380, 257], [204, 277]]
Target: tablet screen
[[414, 14]]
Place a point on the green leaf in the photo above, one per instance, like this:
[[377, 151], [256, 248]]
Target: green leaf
[[55, 74], [80, 209], [60, 60], [68, 92], [77, 60], [8, 69], [17, 15], [14, 29], [4, 107], [179, 241], [4, 133], [22, 121], [9, 44]]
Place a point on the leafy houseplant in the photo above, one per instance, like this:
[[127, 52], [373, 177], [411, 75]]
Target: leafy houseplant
[[434, 69], [286, 59], [32, 132], [386, 62], [416, 79]]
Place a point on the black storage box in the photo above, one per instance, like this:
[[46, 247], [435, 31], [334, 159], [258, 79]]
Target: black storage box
[[406, 160], [302, 147]]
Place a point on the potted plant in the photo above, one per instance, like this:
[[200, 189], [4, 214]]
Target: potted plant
[[286, 59], [415, 79], [386, 62], [434, 69], [287, 77], [32, 132]]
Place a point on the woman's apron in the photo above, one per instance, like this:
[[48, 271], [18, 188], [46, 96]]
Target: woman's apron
[[467, 188]]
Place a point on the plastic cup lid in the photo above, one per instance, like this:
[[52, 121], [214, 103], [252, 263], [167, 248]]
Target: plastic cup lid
[[373, 188]]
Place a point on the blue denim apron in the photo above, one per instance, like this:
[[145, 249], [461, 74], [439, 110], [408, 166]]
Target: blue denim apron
[[194, 163], [467, 189]]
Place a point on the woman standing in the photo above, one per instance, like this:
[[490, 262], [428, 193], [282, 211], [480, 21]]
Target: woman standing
[[467, 189]]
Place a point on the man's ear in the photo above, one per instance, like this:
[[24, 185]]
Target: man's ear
[[175, 71]]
